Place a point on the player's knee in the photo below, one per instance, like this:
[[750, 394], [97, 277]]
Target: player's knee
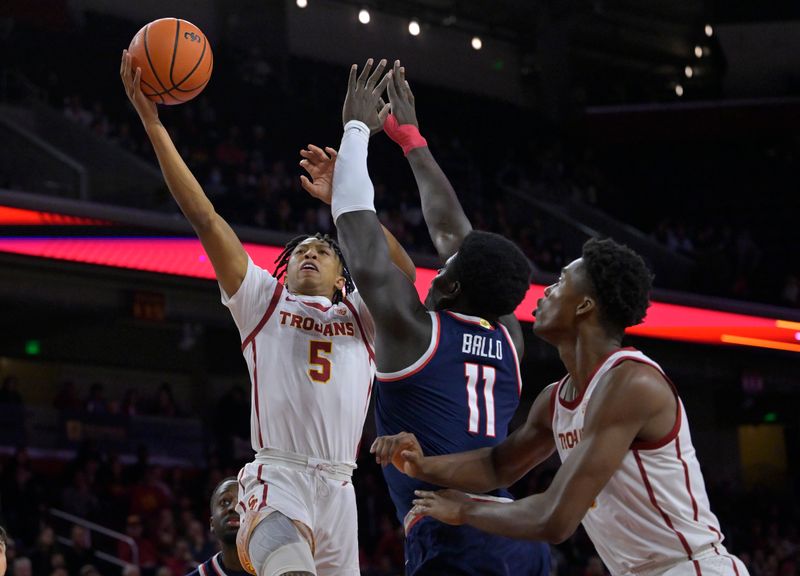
[[276, 548]]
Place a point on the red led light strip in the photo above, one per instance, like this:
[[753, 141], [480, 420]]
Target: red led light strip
[[21, 217], [186, 257]]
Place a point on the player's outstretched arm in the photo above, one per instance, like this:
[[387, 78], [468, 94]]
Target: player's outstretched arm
[[319, 164], [479, 470], [224, 249], [402, 324], [615, 416], [447, 222]]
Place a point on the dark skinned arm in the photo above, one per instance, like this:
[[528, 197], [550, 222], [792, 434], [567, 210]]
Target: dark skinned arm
[[615, 417], [403, 326], [479, 470], [447, 223]]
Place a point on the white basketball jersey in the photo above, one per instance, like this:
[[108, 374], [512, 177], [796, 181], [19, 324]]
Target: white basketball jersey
[[654, 511], [311, 366]]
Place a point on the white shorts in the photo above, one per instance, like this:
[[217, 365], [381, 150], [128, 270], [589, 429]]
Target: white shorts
[[715, 563], [325, 502]]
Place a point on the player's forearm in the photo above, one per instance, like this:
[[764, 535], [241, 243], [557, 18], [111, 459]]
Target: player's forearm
[[472, 471], [447, 223], [531, 518], [182, 184]]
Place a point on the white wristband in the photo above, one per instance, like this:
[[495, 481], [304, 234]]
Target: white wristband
[[352, 188]]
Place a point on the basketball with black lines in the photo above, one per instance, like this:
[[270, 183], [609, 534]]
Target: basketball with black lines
[[175, 58]]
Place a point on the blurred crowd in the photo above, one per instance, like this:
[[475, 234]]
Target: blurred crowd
[[165, 512]]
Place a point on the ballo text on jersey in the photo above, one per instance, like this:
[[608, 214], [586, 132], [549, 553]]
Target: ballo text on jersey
[[311, 325], [478, 345]]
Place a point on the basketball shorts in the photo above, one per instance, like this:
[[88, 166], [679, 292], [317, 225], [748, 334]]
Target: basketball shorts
[[314, 492]]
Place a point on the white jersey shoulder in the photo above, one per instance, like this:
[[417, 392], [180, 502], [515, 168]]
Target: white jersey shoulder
[[654, 511], [311, 365]]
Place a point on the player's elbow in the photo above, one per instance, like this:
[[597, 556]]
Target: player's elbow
[[557, 529]]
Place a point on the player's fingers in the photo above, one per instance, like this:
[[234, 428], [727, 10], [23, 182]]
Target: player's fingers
[[375, 76], [331, 152], [137, 79], [381, 87], [351, 80], [409, 93], [122, 64], [305, 153], [362, 78], [391, 89], [317, 152]]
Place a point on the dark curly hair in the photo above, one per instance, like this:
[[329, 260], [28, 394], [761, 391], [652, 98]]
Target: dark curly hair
[[493, 272], [621, 282], [282, 261]]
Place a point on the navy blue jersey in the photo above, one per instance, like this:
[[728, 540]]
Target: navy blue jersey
[[214, 567], [460, 395]]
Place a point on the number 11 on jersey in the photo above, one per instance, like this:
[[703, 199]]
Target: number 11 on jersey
[[473, 373]]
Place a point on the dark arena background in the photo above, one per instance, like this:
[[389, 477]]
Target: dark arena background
[[669, 125]]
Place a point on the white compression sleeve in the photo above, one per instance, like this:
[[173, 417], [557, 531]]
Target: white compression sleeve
[[352, 188]]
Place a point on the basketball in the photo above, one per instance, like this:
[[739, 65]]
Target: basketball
[[175, 58]]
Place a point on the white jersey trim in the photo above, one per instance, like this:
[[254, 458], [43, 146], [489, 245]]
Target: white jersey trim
[[422, 360]]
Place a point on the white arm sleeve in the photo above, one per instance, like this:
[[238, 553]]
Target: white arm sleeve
[[352, 188]]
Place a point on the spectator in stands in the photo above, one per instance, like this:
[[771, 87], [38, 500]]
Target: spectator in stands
[[148, 557], [22, 567], [78, 498], [96, 402], [165, 402], [80, 553], [44, 550], [151, 494]]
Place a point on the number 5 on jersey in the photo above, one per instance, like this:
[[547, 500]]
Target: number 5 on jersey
[[473, 373], [316, 349]]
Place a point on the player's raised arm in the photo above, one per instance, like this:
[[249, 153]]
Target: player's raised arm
[[479, 470], [403, 326], [447, 223], [616, 415], [319, 164], [224, 249]]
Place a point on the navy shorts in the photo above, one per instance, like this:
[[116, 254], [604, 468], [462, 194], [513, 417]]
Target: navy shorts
[[436, 549]]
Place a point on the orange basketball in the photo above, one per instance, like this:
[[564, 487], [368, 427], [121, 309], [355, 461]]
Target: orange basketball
[[175, 58]]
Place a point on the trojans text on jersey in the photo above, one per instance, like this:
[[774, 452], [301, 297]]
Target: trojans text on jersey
[[311, 325]]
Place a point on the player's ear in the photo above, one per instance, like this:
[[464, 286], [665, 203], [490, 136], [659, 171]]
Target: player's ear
[[586, 306], [339, 283]]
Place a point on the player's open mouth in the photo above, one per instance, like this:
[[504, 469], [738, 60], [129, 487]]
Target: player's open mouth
[[232, 522], [309, 266]]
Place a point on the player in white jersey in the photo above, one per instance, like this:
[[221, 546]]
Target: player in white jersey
[[308, 345], [629, 471]]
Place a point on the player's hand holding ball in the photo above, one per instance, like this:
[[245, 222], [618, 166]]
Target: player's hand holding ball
[[401, 450]]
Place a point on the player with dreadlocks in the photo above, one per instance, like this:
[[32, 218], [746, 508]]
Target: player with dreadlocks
[[308, 344]]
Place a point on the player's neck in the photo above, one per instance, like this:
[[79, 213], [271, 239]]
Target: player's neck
[[468, 310], [583, 355], [230, 559]]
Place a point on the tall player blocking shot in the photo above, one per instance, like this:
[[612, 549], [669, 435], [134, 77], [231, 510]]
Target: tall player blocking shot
[[308, 345], [448, 369], [629, 471]]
